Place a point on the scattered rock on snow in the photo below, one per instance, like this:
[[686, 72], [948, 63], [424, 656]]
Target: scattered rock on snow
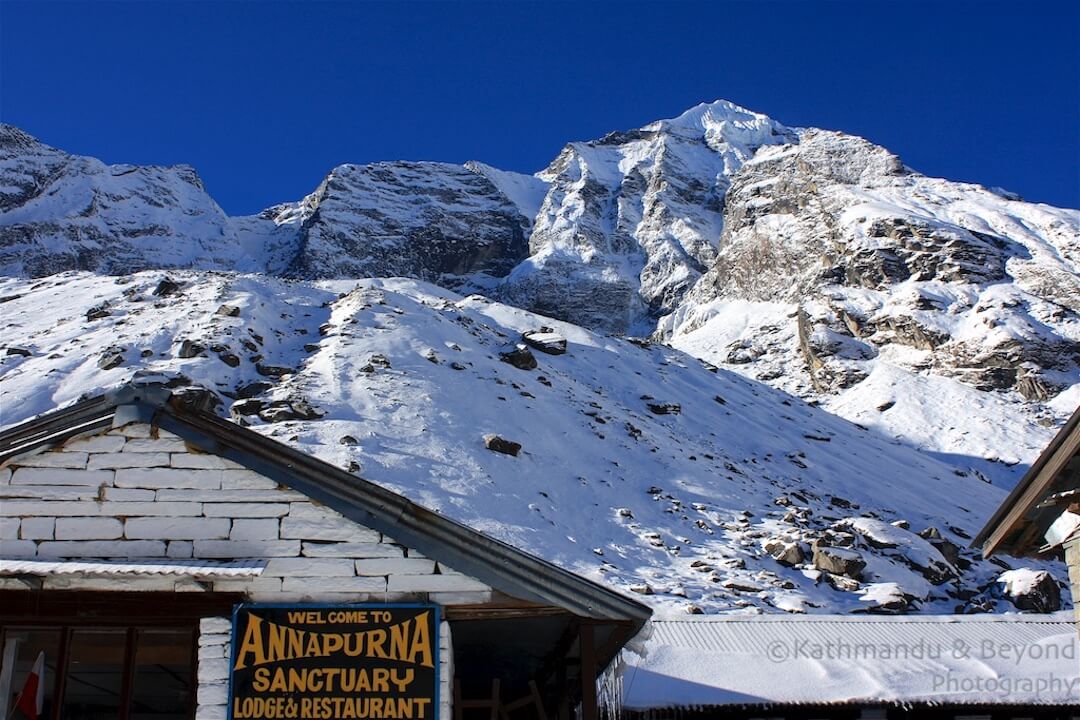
[[252, 389], [546, 341], [501, 445], [98, 311], [785, 553], [664, 408], [1030, 590], [273, 370], [283, 410], [166, 287], [838, 561], [111, 359], [189, 349], [520, 357], [243, 408], [228, 311]]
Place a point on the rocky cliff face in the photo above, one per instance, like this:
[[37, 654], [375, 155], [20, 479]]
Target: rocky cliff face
[[435, 221], [431, 221], [63, 212], [962, 281], [632, 220], [844, 275]]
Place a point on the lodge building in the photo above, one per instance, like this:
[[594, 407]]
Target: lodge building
[[163, 563]]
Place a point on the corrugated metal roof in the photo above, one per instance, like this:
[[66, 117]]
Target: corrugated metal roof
[[187, 568], [771, 660]]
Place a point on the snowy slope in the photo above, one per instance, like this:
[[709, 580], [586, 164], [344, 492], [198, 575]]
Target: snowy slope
[[640, 466]]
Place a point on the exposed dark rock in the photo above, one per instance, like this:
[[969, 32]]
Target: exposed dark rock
[[501, 445], [97, 312], [228, 311], [546, 341], [243, 408], [166, 287], [112, 358], [664, 408], [284, 410], [13, 350], [189, 349], [273, 370], [1040, 593], [252, 389], [520, 357], [838, 561], [785, 553]]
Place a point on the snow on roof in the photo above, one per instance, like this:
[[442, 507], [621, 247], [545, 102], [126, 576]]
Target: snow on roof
[[187, 568], [830, 659]]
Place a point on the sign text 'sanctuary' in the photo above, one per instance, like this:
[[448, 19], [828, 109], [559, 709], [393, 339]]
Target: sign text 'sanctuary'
[[376, 662]]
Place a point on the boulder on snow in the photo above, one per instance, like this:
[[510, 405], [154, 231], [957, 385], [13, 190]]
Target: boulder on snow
[[664, 408], [1030, 590], [166, 287], [785, 553], [252, 389], [189, 349], [273, 370], [112, 358], [520, 357], [501, 445], [98, 311], [546, 341], [283, 410], [228, 311], [838, 561], [249, 406]]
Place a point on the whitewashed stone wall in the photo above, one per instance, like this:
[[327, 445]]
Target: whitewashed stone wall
[[128, 495], [138, 493]]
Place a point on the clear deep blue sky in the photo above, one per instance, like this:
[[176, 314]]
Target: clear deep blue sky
[[263, 99]]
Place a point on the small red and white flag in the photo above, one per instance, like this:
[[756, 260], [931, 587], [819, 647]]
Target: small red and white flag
[[32, 698]]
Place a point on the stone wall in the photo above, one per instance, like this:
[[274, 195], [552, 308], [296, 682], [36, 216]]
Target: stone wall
[[137, 493], [1072, 559]]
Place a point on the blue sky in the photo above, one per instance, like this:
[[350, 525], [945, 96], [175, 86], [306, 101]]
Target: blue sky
[[263, 99]]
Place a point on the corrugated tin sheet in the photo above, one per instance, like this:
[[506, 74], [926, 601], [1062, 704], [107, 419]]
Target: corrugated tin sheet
[[189, 568], [742, 634], [777, 660]]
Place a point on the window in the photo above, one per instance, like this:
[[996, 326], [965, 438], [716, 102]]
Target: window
[[103, 673]]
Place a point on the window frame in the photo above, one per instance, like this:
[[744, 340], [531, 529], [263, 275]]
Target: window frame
[[127, 680], [70, 610]]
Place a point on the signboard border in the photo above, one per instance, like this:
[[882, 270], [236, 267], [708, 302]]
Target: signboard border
[[323, 606]]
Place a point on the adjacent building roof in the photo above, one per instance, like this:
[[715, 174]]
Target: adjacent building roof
[[1050, 486], [699, 663], [503, 567]]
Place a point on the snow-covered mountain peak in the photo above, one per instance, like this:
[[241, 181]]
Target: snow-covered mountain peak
[[724, 124]]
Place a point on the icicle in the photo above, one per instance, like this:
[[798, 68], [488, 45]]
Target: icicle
[[609, 688]]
